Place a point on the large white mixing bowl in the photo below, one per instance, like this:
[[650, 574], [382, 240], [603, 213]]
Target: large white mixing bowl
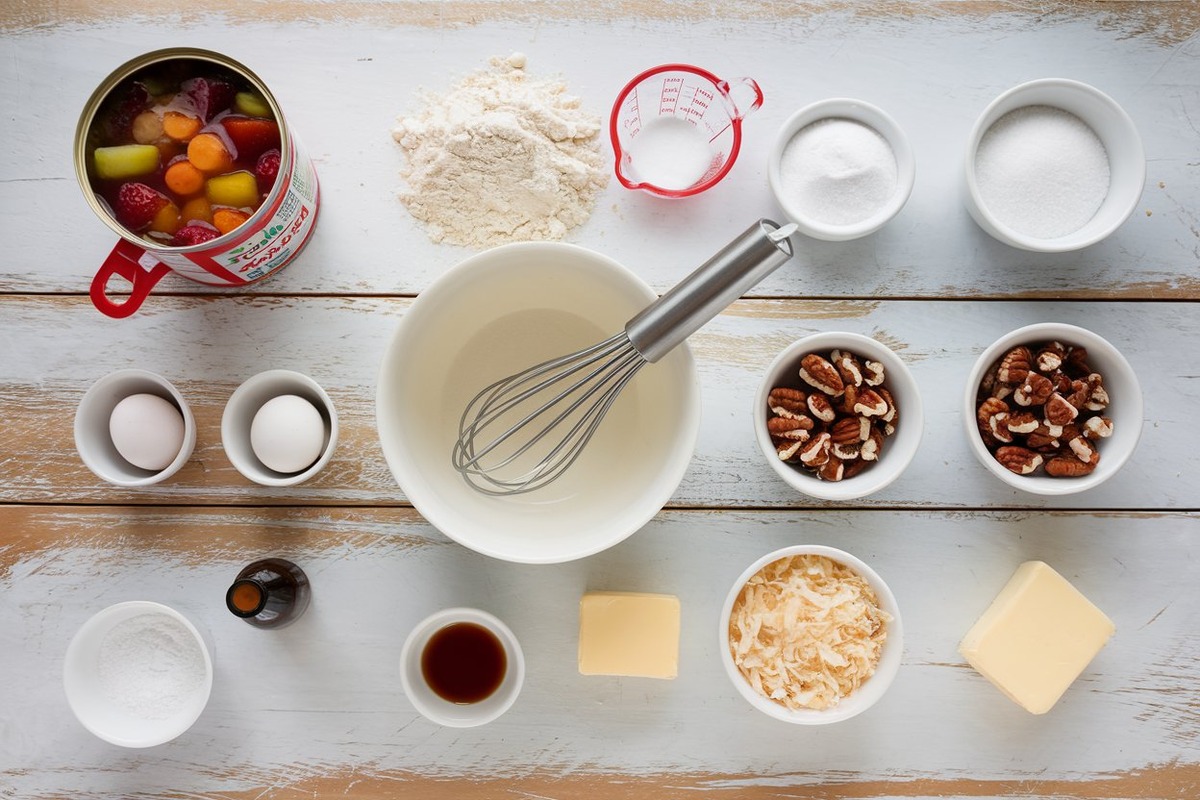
[[493, 315]]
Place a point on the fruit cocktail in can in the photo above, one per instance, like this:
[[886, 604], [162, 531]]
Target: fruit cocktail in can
[[186, 155]]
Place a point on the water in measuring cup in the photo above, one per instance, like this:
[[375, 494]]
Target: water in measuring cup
[[670, 153]]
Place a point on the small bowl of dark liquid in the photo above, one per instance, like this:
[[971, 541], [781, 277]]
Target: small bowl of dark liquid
[[462, 667]]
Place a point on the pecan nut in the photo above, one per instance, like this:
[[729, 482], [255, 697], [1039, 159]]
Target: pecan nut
[[787, 402], [1068, 467], [1015, 365], [1020, 460], [1059, 411], [821, 375], [848, 367], [850, 430], [1034, 390], [821, 408], [788, 428]]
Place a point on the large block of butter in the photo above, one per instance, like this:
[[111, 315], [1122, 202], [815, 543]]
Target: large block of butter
[[1037, 636], [629, 633]]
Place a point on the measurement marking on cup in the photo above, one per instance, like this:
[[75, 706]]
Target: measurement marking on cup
[[669, 100]]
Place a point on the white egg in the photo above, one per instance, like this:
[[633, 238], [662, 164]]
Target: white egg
[[287, 434], [147, 431]]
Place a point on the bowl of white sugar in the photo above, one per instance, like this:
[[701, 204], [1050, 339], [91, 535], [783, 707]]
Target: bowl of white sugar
[[137, 674], [840, 169], [1053, 165]]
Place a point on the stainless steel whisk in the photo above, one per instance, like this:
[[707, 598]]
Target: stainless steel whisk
[[559, 404]]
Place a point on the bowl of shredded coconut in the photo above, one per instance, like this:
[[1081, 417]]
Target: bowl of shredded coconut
[[811, 635], [137, 674]]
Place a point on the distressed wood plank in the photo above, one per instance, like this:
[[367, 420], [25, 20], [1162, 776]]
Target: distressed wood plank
[[208, 346], [316, 709], [934, 70]]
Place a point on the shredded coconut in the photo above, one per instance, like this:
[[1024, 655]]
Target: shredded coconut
[[500, 158], [806, 631]]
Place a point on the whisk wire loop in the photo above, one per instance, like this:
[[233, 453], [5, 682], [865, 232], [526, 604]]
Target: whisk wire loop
[[591, 380], [569, 396]]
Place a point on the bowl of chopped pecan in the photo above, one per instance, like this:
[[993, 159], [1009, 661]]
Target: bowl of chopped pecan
[[838, 415], [1052, 409]]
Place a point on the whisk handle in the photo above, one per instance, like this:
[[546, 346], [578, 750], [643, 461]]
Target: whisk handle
[[699, 297]]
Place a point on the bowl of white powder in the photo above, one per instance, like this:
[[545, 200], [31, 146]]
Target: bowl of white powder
[[1053, 165], [137, 674], [840, 169]]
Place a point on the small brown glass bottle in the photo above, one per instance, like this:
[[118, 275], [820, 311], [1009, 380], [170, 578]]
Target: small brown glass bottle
[[269, 593]]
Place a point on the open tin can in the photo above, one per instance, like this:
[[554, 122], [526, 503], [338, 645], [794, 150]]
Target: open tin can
[[272, 235]]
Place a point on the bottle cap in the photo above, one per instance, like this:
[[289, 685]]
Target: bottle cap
[[246, 597]]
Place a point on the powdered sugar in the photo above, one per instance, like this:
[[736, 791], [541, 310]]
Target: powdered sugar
[[151, 666], [1042, 171], [501, 158]]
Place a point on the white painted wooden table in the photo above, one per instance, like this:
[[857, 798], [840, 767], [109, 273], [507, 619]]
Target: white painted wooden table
[[316, 710]]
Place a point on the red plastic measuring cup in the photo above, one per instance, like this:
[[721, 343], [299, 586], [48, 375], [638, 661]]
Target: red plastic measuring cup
[[676, 129]]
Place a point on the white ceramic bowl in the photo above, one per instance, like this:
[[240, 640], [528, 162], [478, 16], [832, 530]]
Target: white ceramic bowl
[[898, 449], [495, 314], [245, 402], [859, 700], [460, 715], [112, 718], [94, 442], [857, 111], [1110, 123], [1125, 410]]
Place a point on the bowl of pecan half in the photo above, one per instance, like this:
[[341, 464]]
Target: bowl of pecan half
[[838, 415], [1052, 409]]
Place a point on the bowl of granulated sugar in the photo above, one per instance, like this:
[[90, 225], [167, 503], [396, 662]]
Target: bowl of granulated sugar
[[840, 169], [1053, 165], [137, 674]]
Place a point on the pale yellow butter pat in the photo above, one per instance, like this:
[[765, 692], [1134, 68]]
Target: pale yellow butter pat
[[1036, 638], [630, 634]]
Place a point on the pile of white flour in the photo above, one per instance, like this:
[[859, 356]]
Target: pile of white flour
[[501, 158]]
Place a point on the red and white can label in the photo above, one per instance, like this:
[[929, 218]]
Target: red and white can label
[[266, 241]]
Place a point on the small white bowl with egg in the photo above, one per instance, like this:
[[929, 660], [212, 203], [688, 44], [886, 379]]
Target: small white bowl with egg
[[841, 169], [495, 314], [133, 428], [871, 610], [279, 428]]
